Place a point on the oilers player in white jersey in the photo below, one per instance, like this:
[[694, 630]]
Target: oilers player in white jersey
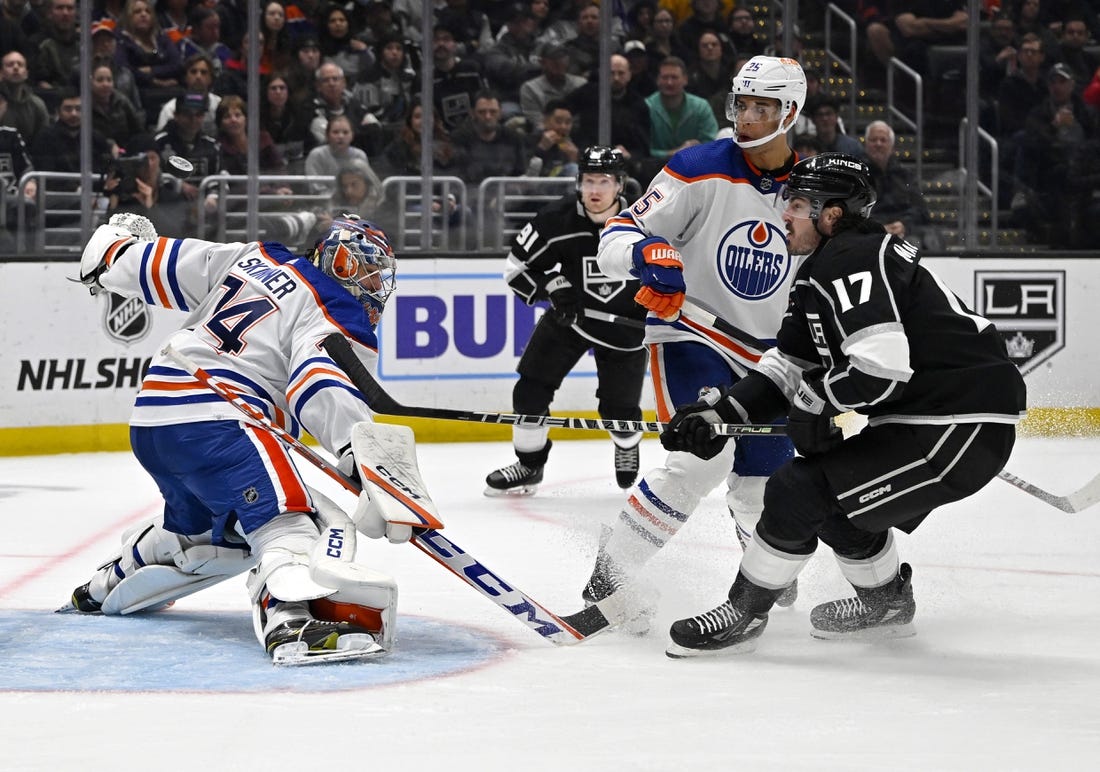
[[710, 226], [233, 499]]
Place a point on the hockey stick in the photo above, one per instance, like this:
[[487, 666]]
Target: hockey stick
[[381, 402], [625, 321], [562, 630], [696, 315], [1072, 503], [692, 313]]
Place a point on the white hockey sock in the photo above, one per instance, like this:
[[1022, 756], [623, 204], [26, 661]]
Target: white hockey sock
[[660, 503], [875, 571]]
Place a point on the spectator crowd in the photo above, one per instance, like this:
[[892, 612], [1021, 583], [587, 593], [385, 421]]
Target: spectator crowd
[[515, 92]]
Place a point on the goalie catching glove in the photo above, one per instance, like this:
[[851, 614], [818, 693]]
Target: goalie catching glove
[[108, 242], [660, 268]]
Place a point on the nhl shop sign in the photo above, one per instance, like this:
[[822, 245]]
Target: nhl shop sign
[[1029, 309]]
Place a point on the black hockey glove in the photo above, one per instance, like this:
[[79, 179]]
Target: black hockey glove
[[810, 422], [563, 301], [689, 430]]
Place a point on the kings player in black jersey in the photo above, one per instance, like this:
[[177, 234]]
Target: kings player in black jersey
[[554, 258], [868, 329]]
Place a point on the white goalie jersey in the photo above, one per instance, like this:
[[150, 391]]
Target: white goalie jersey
[[258, 315], [723, 215]]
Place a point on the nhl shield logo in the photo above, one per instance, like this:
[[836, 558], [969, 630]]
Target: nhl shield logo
[[126, 319], [251, 495], [1029, 310]]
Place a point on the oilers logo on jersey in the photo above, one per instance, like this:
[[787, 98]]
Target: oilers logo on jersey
[[753, 261]]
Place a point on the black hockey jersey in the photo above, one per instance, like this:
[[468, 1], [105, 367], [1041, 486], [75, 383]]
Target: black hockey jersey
[[898, 344], [561, 240]]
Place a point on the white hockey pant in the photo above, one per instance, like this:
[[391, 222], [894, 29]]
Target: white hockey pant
[[308, 568], [155, 567], [660, 503]]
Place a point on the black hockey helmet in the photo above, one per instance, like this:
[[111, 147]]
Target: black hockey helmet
[[602, 159], [830, 179]]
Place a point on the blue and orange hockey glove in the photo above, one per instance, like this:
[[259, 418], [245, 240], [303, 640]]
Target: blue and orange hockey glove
[[660, 268]]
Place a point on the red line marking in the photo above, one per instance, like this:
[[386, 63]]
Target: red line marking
[[55, 560]]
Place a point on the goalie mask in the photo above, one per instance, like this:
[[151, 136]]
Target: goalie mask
[[357, 254], [833, 179], [772, 77]]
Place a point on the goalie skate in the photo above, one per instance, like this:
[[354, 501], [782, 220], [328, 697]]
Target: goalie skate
[[313, 642]]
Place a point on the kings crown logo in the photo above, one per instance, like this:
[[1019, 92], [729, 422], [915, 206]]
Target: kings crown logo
[[1020, 347], [1029, 310]]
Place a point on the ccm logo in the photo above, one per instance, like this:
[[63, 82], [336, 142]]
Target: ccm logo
[[397, 483], [335, 542], [872, 495]]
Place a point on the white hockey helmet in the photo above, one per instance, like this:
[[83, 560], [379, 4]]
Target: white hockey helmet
[[774, 77]]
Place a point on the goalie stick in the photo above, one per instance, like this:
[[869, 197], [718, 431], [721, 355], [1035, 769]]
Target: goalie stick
[[381, 402], [562, 630]]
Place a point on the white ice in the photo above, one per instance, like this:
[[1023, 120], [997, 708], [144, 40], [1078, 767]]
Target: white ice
[[1003, 674]]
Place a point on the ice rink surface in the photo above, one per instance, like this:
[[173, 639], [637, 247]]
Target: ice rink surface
[[1004, 673]]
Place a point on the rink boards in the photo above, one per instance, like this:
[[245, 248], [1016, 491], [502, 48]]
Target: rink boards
[[451, 337]]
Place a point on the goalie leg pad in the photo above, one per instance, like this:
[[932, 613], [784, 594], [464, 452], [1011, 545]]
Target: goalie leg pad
[[314, 573], [155, 567], [363, 597]]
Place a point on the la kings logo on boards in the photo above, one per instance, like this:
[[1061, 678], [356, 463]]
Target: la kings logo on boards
[[1029, 310], [126, 319], [598, 284]]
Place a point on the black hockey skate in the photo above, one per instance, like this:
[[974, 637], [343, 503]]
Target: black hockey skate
[[308, 641], [725, 629], [81, 602], [626, 466], [517, 479], [732, 627], [521, 478], [640, 600], [877, 612]]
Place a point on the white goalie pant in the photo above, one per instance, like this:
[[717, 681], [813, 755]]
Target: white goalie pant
[[155, 567], [306, 561], [662, 501]]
